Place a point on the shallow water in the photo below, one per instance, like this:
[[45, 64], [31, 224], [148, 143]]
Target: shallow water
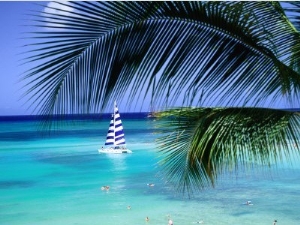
[[57, 179]]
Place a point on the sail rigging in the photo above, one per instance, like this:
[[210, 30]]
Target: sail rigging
[[115, 135]]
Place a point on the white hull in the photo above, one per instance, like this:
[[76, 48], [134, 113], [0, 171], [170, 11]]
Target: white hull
[[114, 151]]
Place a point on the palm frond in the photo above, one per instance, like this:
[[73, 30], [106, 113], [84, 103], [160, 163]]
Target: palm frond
[[200, 144], [232, 53]]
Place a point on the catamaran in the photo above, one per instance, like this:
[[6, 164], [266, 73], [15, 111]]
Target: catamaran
[[115, 139]]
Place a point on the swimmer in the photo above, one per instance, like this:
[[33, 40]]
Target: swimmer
[[105, 188], [248, 203], [147, 219], [151, 185], [275, 221], [170, 222], [129, 207]]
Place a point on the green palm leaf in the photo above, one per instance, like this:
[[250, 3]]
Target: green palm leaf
[[200, 144], [163, 49]]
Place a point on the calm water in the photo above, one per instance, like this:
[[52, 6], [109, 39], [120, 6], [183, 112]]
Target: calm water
[[56, 179]]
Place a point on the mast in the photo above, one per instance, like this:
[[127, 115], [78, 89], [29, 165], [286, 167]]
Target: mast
[[110, 138], [114, 116]]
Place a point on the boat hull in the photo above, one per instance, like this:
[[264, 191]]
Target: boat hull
[[114, 151]]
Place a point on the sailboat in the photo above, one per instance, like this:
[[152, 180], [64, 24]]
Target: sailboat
[[115, 139]]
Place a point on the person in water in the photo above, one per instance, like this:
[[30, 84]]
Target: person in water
[[147, 219], [105, 188], [275, 221], [170, 222]]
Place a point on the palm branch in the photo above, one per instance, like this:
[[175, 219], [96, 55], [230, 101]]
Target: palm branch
[[164, 50], [204, 143]]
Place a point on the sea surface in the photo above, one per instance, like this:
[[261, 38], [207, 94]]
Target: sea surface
[[55, 177]]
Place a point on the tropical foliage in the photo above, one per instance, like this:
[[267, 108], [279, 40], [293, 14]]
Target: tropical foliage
[[204, 143], [239, 55]]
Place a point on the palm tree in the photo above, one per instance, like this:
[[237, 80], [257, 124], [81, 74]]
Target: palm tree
[[229, 60]]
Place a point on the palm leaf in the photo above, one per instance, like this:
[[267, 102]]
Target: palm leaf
[[200, 144], [107, 50]]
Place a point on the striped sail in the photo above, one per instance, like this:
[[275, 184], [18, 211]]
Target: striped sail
[[115, 135]]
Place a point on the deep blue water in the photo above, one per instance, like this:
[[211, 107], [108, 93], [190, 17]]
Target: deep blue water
[[103, 116]]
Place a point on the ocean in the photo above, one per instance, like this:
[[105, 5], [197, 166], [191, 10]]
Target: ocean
[[56, 178]]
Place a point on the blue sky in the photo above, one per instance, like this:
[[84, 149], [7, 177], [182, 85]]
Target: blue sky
[[13, 17], [12, 20]]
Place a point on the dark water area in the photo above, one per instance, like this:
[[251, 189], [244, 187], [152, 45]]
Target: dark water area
[[104, 116]]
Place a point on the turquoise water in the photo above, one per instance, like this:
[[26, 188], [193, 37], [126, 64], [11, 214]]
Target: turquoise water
[[57, 179]]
